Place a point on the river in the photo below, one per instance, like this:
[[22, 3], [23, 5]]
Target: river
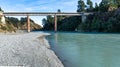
[[87, 49]]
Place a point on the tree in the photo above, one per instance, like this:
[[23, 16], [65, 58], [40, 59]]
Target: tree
[[113, 2], [96, 7], [117, 2], [104, 5], [109, 5], [59, 18], [50, 19], [23, 20], [48, 23], [44, 21], [59, 11], [1, 9], [14, 21], [90, 5], [81, 6]]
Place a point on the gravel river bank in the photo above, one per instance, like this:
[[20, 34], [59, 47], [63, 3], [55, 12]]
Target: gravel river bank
[[29, 49]]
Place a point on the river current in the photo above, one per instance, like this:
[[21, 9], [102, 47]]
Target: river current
[[86, 49]]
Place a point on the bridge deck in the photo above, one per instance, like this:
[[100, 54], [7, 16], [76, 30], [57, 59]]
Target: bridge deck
[[43, 13]]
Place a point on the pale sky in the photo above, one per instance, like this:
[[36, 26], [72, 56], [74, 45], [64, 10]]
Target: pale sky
[[40, 6]]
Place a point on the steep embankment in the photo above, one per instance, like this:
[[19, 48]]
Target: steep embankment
[[30, 49]]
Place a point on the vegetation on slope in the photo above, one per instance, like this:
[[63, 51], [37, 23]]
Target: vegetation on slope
[[22, 23], [12, 24], [106, 18]]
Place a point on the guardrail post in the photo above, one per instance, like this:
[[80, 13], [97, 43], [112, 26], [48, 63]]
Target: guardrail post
[[28, 23]]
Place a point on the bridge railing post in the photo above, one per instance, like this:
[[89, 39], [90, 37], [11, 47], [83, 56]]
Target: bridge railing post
[[55, 23], [28, 23]]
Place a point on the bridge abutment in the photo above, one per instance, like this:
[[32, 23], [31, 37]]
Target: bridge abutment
[[2, 17]]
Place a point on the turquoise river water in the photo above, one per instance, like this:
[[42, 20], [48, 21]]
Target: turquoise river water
[[86, 50]]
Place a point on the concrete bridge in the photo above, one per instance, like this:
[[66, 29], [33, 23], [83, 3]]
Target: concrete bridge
[[55, 14]]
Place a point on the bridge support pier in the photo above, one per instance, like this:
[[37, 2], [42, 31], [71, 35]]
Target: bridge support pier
[[55, 23], [83, 18], [28, 24]]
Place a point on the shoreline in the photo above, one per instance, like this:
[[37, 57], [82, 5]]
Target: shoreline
[[29, 49]]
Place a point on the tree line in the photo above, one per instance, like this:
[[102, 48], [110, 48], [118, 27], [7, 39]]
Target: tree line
[[103, 6], [105, 18], [64, 23]]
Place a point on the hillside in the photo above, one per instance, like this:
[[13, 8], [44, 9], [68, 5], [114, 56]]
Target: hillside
[[13, 24], [22, 23]]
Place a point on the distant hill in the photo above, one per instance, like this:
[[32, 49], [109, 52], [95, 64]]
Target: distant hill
[[22, 23], [13, 24]]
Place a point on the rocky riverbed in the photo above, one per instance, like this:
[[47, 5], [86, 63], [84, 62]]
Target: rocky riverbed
[[29, 49]]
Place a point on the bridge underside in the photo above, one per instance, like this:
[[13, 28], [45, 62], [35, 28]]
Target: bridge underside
[[55, 14]]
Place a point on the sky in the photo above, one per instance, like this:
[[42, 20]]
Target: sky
[[40, 6]]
